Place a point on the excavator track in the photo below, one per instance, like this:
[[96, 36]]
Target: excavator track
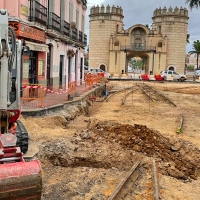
[[22, 137]]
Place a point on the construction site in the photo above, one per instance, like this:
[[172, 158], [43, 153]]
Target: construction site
[[141, 141]]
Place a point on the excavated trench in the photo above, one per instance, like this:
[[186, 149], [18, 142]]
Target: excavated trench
[[112, 145]]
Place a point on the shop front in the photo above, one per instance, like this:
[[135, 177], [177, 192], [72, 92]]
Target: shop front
[[34, 53]]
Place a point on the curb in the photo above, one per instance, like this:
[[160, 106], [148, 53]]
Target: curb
[[59, 107]]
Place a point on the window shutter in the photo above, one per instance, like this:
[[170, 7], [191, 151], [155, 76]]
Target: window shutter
[[51, 5], [70, 12], [83, 24], [77, 19]]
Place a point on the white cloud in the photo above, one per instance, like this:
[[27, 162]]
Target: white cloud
[[95, 2]]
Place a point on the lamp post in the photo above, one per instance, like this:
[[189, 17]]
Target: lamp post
[[125, 51]]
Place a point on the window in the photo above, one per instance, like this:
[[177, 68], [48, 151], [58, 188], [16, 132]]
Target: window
[[159, 29], [70, 12], [115, 58], [77, 19], [83, 24], [159, 44], [117, 28]]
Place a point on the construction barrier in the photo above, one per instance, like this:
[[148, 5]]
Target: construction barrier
[[37, 96], [33, 92], [71, 88], [92, 79]]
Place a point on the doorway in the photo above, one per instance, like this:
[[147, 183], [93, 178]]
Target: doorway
[[32, 67], [69, 69], [49, 67], [81, 70], [103, 67], [61, 72]]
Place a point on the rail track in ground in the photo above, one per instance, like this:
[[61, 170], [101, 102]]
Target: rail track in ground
[[153, 95], [127, 187]]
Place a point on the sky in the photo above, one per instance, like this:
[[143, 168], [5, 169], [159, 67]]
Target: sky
[[141, 12]]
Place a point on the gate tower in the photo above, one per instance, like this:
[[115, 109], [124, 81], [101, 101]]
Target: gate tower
[[173, 25], [105, 23]]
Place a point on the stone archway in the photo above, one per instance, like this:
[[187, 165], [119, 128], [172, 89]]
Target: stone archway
[[143, 56], [171, 67]]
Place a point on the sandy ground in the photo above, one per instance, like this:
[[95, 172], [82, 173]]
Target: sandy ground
[[63, 145]]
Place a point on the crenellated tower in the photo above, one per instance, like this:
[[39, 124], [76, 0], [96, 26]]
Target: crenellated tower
[[172, 24], [105, 22]]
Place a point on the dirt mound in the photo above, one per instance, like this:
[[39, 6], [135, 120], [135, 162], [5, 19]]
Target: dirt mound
[[179, 159], [176, 158]]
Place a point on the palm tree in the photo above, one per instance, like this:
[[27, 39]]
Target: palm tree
[[193, 3], [196, 47]]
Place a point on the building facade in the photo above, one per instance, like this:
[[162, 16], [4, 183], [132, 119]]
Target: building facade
[[191, 59], [161, 47], [53, 37]]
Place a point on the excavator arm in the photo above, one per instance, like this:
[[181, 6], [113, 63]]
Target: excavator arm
[[18, 179]]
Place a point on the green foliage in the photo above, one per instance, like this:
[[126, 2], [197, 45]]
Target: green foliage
[[139, 63], [196, 50], [190, 67], [193, 3]]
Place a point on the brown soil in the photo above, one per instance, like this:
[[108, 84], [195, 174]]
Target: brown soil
[[85, 155]]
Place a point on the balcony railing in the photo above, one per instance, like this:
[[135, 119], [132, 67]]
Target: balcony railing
[[74, 34], [65, 28], [80, 37], [53, 22], [38, 13], [137, 47], [85, 39]]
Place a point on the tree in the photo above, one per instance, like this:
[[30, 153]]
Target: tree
[[196, 47], [193, 3]]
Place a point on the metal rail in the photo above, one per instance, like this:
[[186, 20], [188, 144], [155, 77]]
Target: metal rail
[[116, 92], [135, 170], [126, 95], [123, 181]]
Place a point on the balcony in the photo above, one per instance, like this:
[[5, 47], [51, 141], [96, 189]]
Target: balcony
[[85, 39], [84, 6], [80, 37], [53, 22], [38, 13], [65, 28], [74, 34], [137, 47]]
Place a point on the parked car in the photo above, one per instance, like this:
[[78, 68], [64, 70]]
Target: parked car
[[196, 75], [96, 71], [175, 75], [85, 69]]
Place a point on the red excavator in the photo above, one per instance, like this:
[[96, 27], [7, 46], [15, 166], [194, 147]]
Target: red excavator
[[19, 180]]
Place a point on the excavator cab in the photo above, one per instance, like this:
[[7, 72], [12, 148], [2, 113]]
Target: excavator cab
[[19, 180]]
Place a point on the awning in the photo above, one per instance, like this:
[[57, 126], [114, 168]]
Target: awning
[[37, 46]]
